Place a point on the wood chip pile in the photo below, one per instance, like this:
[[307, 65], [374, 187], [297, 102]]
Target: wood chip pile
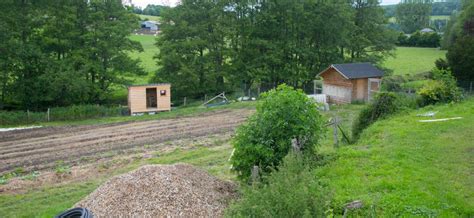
[[179, 190]]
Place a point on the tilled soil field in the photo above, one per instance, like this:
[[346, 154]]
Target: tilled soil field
[[42, 148]]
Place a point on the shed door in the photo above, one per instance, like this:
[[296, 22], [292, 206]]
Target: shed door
[[338, 93], [374, 87]]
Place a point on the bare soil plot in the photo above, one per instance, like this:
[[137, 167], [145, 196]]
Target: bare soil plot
[[37, 149]]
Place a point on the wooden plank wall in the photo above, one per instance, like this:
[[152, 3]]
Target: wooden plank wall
[[137, 98]]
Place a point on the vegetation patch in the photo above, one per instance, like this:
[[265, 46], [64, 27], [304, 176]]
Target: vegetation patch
[[402, 167], [412, 60]]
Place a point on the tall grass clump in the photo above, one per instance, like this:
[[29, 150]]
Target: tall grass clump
[[291, 191], [384, 104], [284, 117]]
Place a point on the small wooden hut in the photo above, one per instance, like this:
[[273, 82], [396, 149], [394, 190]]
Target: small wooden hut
[[344, 83], [149, 98]]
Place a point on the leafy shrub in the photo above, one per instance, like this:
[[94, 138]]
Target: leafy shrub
[[442, 88], [283, 114], [384, 104], [292, 191]]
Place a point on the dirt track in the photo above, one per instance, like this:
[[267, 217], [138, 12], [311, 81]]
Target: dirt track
[[41, 148]]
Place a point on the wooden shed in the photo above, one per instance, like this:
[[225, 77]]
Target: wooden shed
[[149, 98], [345, 83]]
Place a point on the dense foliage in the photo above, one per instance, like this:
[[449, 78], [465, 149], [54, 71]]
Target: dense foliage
[[384, 104], [55, 53], [419, 39], [282, 115], [460, 43], [292, 191], [214, 46], [442, 88], [413, 15]]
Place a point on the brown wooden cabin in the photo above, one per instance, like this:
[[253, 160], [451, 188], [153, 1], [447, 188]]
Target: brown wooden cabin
[[149, 98], [345, 83]]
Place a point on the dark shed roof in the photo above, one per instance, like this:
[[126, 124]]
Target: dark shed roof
[[357, 70]]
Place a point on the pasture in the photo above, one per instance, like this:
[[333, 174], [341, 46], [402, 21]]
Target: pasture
[[413, 60]]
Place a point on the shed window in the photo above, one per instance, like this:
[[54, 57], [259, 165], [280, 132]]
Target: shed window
[[162, 92]]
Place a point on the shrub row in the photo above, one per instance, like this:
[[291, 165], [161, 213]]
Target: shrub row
[[76, 112]]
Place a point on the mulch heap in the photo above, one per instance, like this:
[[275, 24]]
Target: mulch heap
[[178, 190]]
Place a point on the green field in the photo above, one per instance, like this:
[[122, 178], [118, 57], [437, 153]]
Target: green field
[[146, 57], [403, 168], [149, 17], [413, 60]]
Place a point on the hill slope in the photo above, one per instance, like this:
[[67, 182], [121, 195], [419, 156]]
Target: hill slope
[[403, 167]]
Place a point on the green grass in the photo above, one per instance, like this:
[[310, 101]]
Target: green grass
[[402, 167], [412, 60], [148, 64], [149, 17], [440, 17], [146, 57], [432, 18]]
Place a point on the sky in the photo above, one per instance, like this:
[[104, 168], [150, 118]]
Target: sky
[[144, 3]]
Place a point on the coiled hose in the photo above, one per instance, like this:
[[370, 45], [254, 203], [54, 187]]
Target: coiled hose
[[76, 213]]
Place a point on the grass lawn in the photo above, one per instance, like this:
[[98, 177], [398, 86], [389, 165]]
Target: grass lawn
[[402, 167], [411, 60], [149, 17]]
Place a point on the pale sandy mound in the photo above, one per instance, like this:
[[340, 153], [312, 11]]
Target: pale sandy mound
[[161, 190]]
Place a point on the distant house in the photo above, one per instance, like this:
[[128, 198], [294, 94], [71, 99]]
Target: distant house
[[150, 27], [149, 98], [427, 30], [345, 83]]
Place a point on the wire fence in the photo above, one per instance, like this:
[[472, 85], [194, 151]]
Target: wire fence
[[75, 112]]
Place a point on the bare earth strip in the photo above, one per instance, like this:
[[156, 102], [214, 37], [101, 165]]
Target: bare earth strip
[[37, 149]]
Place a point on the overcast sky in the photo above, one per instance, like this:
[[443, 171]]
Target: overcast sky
[[144, 3]]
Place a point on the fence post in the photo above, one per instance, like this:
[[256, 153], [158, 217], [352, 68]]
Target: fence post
[[48, 114], [184, 104], [336, 138], [205, 97], [255, 174], [28, 116], [470, 88]]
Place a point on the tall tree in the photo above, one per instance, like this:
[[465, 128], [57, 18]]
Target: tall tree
[[461, 54], [60, 52], [413, 15], [370, 39]]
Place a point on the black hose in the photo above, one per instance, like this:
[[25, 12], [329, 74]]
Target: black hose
[[76, 213]]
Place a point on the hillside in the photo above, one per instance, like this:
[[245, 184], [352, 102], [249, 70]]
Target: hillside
[[403, 167], [413, 60]]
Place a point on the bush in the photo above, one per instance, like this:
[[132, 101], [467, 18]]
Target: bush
[[384, 104], [442, 88], [292, 191], [283, 114]]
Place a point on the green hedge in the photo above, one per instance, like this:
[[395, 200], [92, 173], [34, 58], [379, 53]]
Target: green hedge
[[76, 112]]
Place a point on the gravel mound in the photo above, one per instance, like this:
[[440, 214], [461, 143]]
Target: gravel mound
[[178, 190]]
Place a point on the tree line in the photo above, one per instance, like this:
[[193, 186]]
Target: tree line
[[58, 52], [213, 46]]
